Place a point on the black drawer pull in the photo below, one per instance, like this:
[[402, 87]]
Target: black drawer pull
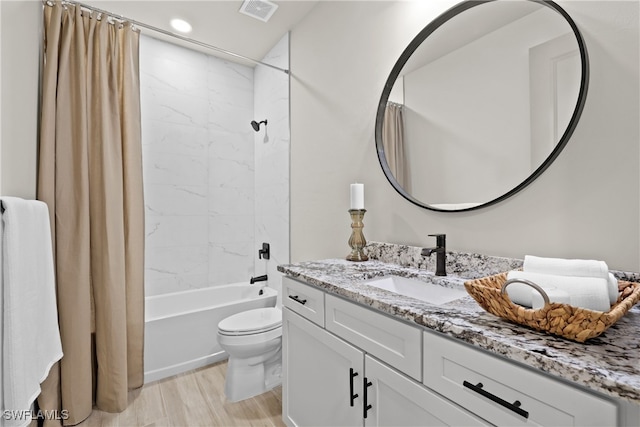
[[352, 375], [297, 299], [515, 406], [366, 405]]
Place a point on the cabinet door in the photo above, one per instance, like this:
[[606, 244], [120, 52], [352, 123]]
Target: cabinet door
[[317, 377], [398, 401]]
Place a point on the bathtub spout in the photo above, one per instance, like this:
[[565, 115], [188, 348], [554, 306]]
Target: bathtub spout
[[258, 279]]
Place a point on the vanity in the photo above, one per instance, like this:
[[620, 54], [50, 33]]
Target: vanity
[[466, 120], [357, 354]]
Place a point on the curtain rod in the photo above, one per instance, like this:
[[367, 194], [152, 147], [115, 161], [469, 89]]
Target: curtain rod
[[166, 33]]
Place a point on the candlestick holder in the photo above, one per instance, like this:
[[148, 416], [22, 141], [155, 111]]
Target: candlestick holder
[[357, 240]]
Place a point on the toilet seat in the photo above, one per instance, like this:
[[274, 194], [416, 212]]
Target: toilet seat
[[251, 322]]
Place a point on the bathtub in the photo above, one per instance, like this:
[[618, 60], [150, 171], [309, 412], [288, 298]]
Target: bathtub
[[180, 327]]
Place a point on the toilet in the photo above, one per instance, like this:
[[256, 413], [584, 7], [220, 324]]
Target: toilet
[[253, 340]]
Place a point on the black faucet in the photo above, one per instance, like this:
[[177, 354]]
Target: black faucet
[[265, 252], [441, 253], [258, 279]]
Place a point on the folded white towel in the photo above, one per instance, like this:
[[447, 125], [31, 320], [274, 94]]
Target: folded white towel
[[574, 268], [565, 267], [587, 292], [31, 338]]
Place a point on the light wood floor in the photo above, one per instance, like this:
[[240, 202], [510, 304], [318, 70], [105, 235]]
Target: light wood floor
[[195, 398]]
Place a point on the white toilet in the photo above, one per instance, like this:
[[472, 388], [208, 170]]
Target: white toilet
[[253, 340]]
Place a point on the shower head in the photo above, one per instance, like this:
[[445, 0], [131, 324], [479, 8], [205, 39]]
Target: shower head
[[256, 125]]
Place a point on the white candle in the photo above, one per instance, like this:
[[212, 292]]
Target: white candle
[[357, 196]]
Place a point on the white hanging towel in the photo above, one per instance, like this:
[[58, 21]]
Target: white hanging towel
[[31, 338]]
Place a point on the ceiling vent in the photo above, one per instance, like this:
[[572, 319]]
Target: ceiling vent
[[259, 9]]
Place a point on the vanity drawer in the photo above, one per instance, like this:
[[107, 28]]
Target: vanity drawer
[[488, 386], [303, 299], [391, 341]]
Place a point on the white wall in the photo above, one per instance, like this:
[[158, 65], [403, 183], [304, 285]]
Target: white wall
[[214, 188], [586, 205], [198, 164], [20, 28]]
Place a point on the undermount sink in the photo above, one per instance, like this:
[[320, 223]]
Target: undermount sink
[[418, 289]]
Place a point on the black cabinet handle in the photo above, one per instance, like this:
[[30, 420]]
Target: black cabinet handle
[[515, 406], [297, 299], [366, 406], [352, 375]]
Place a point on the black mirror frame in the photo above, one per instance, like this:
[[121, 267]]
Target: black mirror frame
[[404, 57]]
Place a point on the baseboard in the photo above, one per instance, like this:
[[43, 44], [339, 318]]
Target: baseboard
[[169, 371]]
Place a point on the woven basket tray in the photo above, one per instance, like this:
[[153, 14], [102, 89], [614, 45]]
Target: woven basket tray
[[574, 323]]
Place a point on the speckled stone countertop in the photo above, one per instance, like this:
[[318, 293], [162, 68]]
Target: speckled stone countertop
[[609, 364]]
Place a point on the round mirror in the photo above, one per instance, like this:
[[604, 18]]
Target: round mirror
[[481, 102]]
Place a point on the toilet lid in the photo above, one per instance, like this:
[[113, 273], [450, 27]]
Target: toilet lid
[[251, 321]]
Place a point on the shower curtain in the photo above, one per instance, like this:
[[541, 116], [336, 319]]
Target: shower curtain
[[90, 176], [393, 142]]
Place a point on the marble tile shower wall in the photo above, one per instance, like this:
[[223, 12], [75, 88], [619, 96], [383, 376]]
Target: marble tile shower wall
[[272, 161], [198, 168]]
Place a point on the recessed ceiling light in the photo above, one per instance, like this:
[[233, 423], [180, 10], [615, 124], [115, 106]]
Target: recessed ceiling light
[[181, 25]]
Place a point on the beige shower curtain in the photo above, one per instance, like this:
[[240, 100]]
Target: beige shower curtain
[[393, 142], [90, 175]]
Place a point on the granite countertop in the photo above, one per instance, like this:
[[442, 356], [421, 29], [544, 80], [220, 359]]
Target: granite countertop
[[609, 364]]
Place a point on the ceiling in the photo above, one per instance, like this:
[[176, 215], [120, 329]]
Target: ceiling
[[215, 22]]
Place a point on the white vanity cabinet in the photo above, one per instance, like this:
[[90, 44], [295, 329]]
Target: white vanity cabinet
[[340, 357], [328, 381]]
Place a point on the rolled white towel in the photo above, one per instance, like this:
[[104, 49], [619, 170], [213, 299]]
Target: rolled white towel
[[573, 268], [587, 292], [554, 294], [613, 289], [520, 293]]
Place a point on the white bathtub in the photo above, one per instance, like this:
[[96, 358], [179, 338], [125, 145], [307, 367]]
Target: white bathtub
[[181, 327]]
